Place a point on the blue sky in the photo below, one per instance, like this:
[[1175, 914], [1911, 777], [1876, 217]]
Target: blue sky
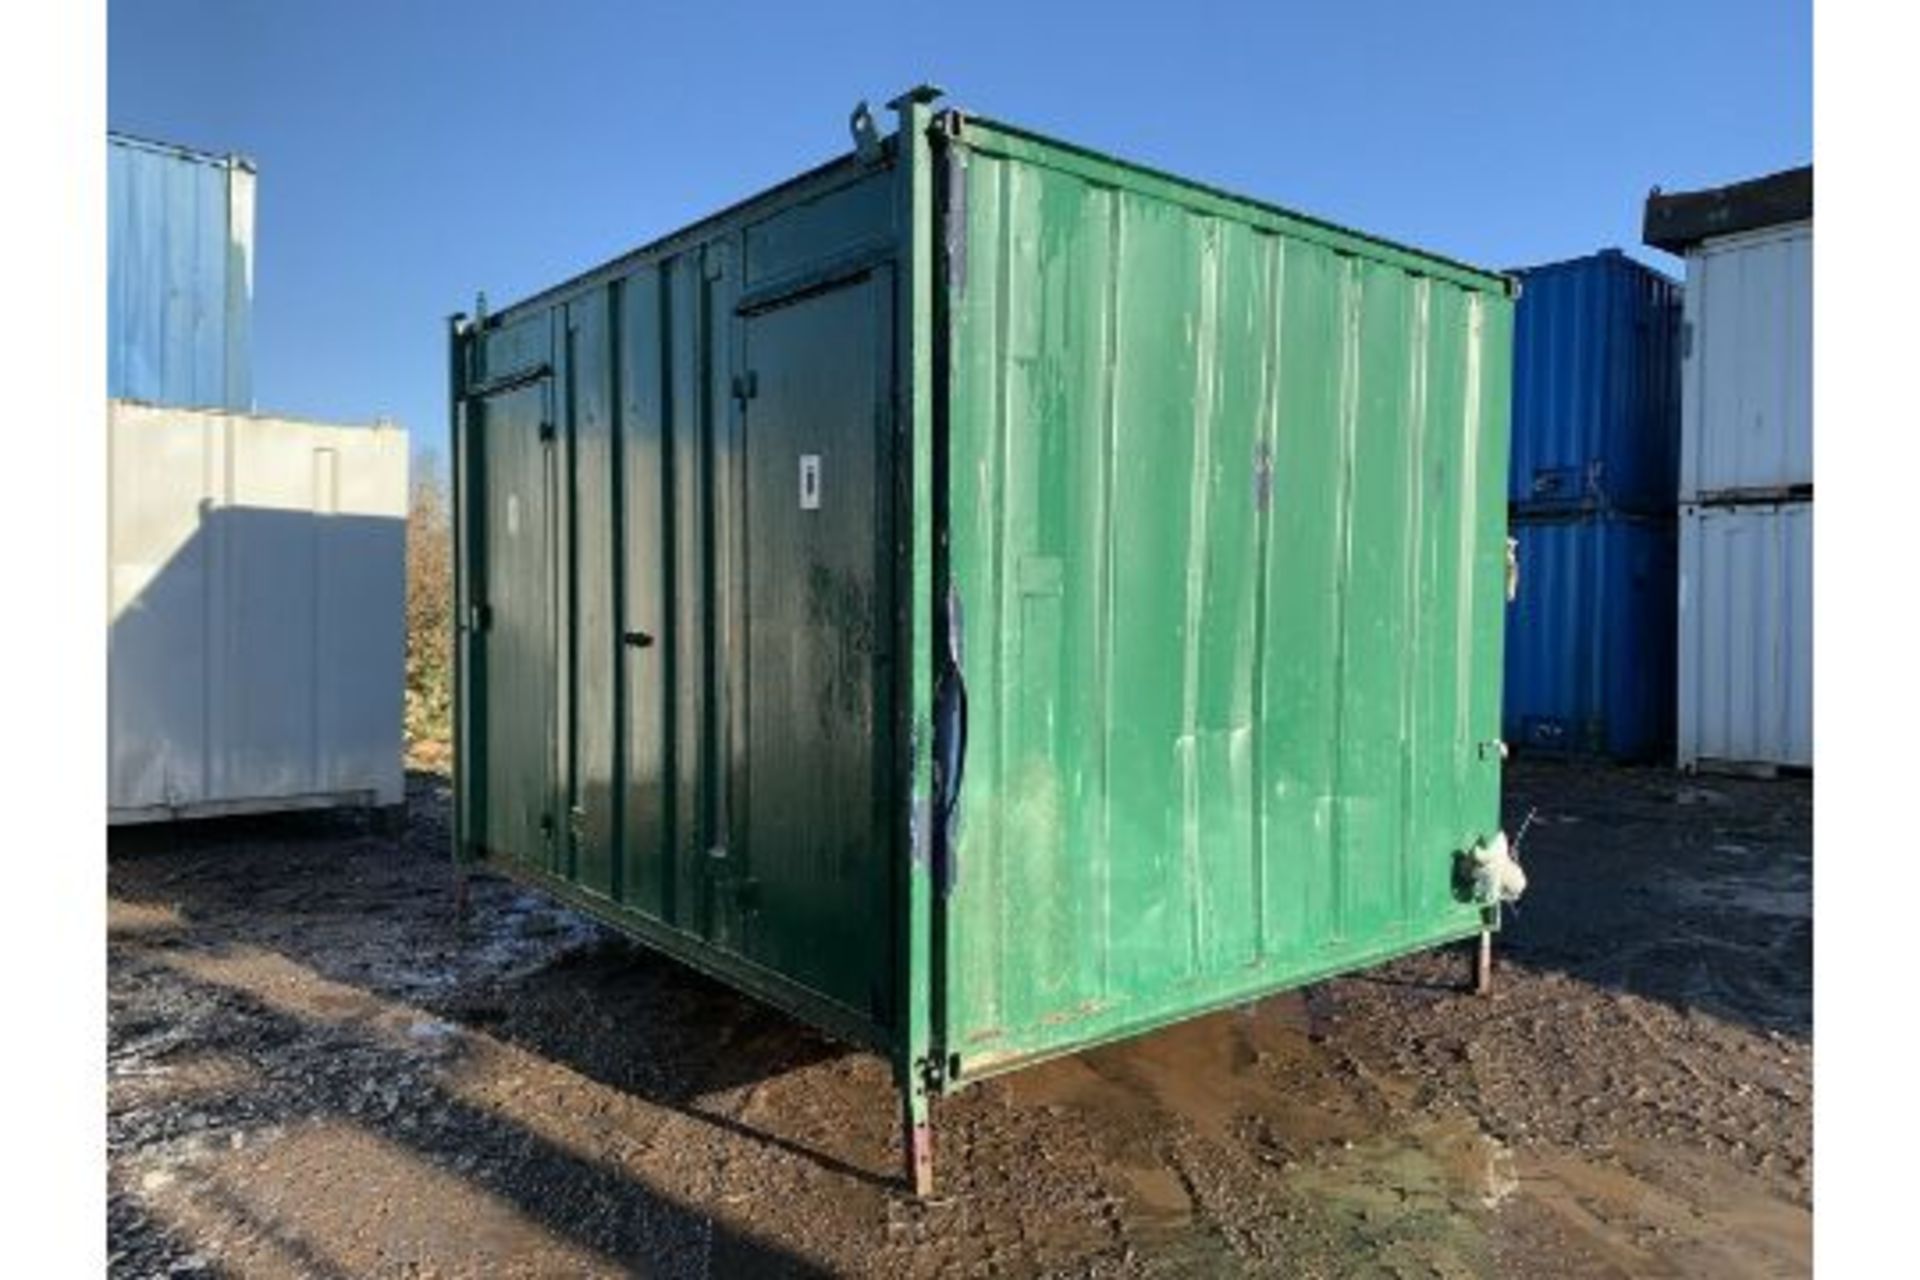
[[415, 151]]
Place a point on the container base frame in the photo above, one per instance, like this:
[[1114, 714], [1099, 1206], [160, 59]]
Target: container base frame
[[250, 806]]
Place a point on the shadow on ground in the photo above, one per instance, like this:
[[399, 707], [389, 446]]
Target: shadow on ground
[[1697, 892], [315, 1069], [315, 975]]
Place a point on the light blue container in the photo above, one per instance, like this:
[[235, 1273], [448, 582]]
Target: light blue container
[[1591, 636], [1596, 388], [179, 275]]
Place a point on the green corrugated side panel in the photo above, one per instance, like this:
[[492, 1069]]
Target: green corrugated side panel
[[1223, 739], [1220, 743]]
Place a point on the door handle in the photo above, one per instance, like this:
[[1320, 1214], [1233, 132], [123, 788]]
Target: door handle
[[638, 639]]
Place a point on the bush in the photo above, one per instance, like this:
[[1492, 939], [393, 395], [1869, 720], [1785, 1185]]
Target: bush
[[429, 700]]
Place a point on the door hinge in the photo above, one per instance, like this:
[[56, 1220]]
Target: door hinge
[[546, 432], [479, 617], [746, 386]]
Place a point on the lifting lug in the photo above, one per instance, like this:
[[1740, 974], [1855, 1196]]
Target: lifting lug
[[866, 138]]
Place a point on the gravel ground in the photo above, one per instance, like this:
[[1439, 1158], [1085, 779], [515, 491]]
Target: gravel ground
[[315, 1069]]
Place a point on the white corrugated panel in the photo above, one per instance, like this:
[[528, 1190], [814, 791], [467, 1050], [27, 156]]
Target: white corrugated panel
[[1747, 364], [1746, 635], [256, 599]]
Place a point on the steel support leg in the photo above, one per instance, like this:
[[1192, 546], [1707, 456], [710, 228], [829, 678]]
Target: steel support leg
[[918, 1120], [1483, 964]]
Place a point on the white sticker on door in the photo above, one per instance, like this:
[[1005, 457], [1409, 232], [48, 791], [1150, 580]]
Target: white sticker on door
[[809, 482], [513, 515]]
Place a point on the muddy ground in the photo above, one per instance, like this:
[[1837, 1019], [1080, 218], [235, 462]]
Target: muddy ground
[[315, 1070]]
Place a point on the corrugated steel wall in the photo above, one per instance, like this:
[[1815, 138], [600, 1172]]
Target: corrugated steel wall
[[677, 705], [1590, 636], [1228, 530], [1748, 367], [1746, 635], [1219, 495], [1746, 535], [1596, 389], [1596, 438], [256, 591], [179, 276]]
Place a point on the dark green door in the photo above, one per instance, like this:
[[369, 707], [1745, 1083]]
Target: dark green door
[[813, 893], [517, 603], [592, 634]]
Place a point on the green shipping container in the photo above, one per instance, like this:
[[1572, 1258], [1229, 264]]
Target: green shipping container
[[987, 598]]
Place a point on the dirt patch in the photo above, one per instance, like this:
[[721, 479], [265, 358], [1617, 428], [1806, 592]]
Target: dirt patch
[[316, 1069]]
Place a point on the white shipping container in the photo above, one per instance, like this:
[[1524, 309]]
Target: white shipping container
[[256, 600], [1746, 635], [1746, 419]]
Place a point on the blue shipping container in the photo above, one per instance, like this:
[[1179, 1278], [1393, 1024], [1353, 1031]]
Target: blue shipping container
[[1596, 387], [179, 275], [1590, 636]]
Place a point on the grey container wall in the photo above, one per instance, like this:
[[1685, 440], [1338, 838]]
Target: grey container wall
[[1746, 636], [256, 589], [1749, 367], [179, 275], [1745, 679], [1747, 434]]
